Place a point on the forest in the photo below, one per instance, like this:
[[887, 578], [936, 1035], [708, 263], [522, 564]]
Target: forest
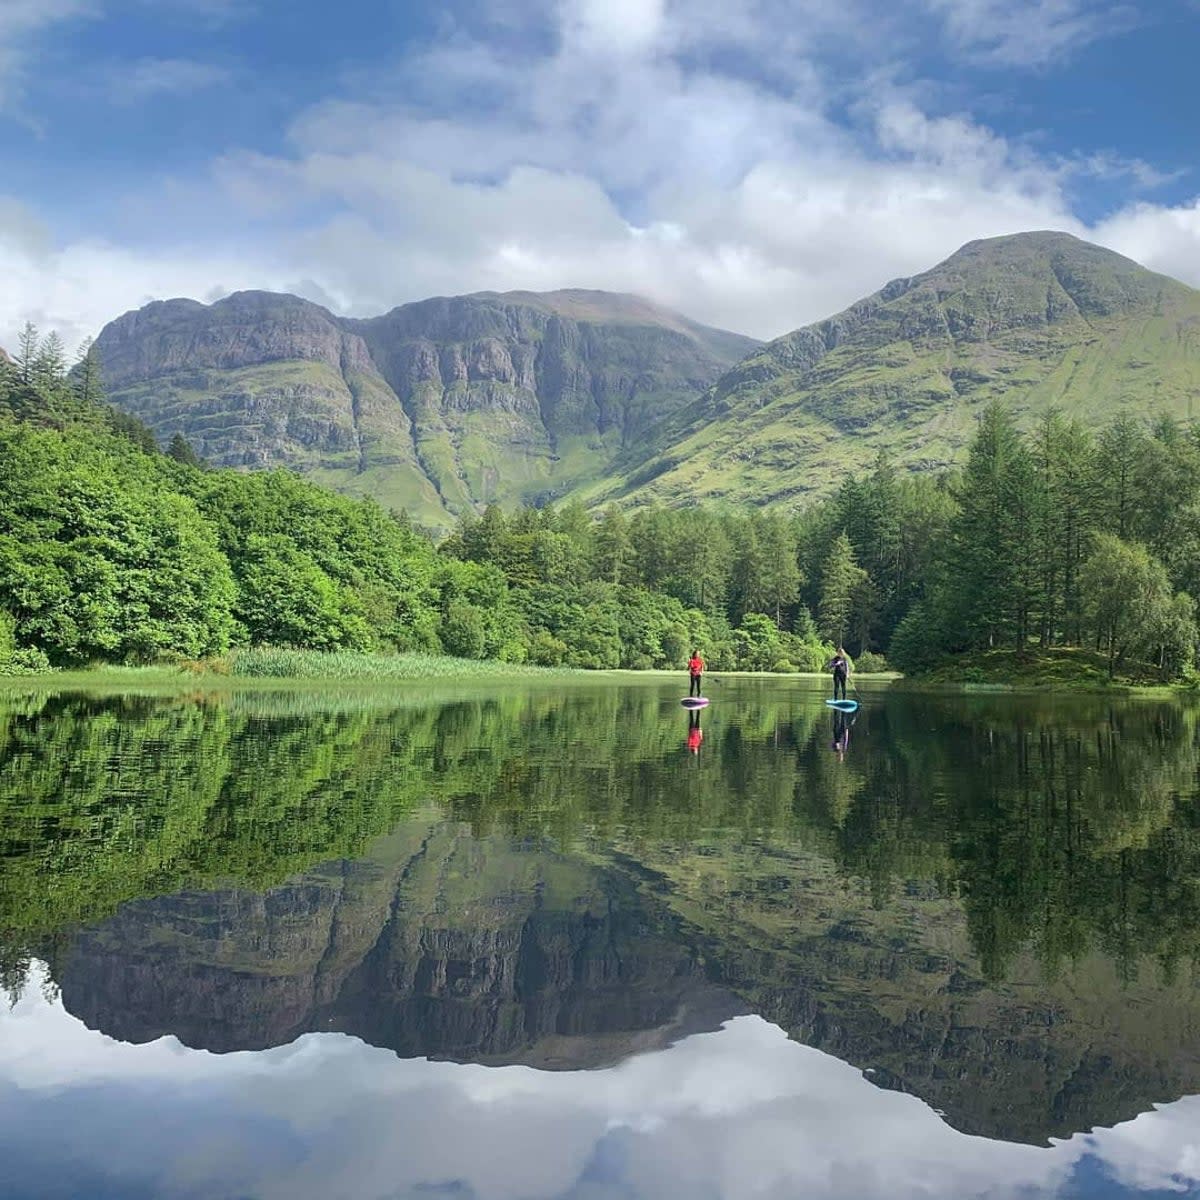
[[115, 550]]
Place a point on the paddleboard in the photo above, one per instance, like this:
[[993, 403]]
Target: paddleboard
[[695, 702], [844, 705]]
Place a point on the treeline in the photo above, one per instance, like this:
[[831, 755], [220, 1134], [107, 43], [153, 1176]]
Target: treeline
[[113, 550], [757, 590], [1062, 537]]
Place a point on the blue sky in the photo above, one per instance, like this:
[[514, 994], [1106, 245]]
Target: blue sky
[[757, 165]]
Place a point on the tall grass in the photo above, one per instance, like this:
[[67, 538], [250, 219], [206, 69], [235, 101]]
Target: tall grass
[[278, 662]]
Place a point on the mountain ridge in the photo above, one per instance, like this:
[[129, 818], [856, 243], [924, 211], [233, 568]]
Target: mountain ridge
[[1041, 320], [438, 406], [446, 404]]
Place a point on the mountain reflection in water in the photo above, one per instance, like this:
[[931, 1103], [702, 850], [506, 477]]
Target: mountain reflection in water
[[987, 903]]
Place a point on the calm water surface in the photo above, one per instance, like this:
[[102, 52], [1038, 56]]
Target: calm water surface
[[525, 944]]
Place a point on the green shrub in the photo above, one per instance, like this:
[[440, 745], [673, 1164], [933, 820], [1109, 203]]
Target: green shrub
[[27, 661], [783, 667], [870, 663]]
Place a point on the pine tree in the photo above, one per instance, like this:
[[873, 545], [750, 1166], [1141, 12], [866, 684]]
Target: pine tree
[[29, 344], [780, 568], [50, 365], [1120, 455], [89, 386], [991, 570], [612, 553], [181, 451], [841, 581]]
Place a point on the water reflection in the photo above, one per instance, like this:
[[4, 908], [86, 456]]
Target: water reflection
[[987, 903], [731, 1115]]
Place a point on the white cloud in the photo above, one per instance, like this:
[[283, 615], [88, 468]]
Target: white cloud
[[1164, 239], [76, 288], [634, 151], [740, 1114], [614, 26], [1030, 33], [21, 22]]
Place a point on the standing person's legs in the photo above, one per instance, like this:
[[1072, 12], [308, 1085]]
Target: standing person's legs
[[694, 687], [839, 687]]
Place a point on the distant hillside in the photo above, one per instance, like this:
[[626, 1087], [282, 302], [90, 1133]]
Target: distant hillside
[[437, 407], [1039, 320]]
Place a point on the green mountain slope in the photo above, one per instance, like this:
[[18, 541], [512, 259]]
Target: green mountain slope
[[1038, 320], [438, 406]]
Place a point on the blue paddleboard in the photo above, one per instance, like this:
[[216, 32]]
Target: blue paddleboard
[[695, 702], [844, 705]]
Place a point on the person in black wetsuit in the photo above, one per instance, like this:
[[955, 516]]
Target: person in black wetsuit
[[839, 664]]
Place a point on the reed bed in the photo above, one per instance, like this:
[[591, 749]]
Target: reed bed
[[277, 662]]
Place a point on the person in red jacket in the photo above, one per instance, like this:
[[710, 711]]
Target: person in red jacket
[[695, 670]]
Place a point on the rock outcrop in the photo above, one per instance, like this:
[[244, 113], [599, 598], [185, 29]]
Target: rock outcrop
[[439, 406]]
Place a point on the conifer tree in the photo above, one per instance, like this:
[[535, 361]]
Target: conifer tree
[[88, 384], [29, 344], [180, 449], [841, 581]]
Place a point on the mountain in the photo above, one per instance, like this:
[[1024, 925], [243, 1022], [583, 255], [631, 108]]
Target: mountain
[[1037, 320], [438, 945], [485, 949], [438, 406]]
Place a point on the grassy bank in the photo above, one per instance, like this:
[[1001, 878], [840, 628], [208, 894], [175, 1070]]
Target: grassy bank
[[1053, 670], [271, 667], [267, 667]]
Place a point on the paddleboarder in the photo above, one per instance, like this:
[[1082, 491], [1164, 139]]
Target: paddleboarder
[[695, 671], [839, 664]]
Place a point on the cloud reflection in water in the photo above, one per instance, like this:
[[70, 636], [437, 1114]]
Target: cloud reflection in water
[[733, 1115]]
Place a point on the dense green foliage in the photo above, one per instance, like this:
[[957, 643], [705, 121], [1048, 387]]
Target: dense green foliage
[[113, 551], [1061, 538], [642, 591]]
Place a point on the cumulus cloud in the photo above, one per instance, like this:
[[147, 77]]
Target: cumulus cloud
[[615, 164], [76, 288], [721, 159]]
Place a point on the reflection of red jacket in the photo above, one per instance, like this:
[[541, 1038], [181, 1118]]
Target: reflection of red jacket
[[696, 665], [695, 737]]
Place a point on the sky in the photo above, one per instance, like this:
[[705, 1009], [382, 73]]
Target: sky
[[756, 165], [739, 1114]]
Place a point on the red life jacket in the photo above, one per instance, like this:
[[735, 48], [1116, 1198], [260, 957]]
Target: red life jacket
[[696, 665]]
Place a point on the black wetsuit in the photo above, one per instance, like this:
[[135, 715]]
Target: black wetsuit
[[840, 671]]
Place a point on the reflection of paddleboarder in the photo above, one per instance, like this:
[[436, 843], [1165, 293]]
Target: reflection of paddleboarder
[[841, 734], [695, 733]]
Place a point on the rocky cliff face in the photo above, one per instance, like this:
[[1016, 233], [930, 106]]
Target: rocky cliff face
[[440, 945], [438, 406], [446, 945]]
